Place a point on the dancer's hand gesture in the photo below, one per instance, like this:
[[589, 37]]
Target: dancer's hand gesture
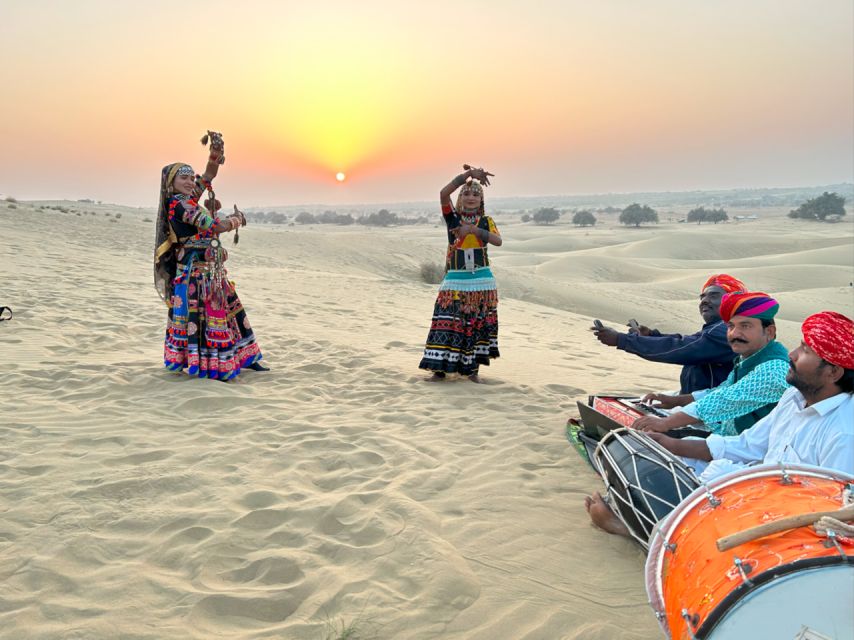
[[239, 215], [479, 173]]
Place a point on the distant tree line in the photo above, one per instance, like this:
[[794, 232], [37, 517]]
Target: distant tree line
[[546, 215], [637, 214], [584, 218], [382, 218], [827, 207], [701, 214]]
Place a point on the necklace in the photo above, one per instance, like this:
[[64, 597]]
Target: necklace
[[470, 216]]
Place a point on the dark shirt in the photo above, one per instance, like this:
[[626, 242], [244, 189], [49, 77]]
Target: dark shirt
[[705, 356]]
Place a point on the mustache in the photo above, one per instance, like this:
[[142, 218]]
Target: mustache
[[741, 340]]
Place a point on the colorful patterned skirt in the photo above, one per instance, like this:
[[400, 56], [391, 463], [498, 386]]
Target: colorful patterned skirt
[[208, 338], [464, 329]]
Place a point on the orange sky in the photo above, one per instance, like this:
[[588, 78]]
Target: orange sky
[[554, 96]]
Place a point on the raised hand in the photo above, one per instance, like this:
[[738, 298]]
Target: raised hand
[[239, 215], [479, 173], [217, 152], [606, 335]]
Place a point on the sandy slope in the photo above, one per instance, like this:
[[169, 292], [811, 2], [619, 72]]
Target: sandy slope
[[340, 486]]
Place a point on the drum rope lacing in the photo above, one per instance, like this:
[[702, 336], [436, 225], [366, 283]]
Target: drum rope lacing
[[833, 528]]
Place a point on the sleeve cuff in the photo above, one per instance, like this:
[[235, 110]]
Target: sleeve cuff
[[699, 394], [717, 446], [691, 410]]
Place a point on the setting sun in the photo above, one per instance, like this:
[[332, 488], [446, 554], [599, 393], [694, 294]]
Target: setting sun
[[340, 177]]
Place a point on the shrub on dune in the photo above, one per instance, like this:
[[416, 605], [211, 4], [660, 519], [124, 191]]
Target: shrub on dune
[[432, 272]]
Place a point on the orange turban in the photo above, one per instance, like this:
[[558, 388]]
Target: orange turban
[[831, 336], [725, 282]]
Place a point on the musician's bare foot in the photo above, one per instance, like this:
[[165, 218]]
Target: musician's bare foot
[[603, 517], [474, 377], [437, 376]]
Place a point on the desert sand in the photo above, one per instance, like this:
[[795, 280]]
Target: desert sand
[[340, 489]]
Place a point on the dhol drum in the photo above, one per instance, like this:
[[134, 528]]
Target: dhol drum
[[790, 585], [643, 480]]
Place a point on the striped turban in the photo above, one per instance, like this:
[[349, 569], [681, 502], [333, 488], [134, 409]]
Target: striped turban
[[753, 304], [831, 336], [725, 282]]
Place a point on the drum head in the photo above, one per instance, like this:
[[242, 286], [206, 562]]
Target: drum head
[[796, 583], [815, 600]]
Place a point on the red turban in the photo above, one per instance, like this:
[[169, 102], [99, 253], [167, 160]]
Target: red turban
[[754, 304], [831, 336], [725, 282]]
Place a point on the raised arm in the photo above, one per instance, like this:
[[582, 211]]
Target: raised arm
[[216, 157], [709, 345], [453, 185], [470, 172]]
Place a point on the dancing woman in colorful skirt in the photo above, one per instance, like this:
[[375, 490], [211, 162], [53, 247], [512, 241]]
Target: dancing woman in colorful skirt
[[464, 330], [207, 334]]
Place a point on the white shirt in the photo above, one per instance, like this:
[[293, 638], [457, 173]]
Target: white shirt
[[821, 435]]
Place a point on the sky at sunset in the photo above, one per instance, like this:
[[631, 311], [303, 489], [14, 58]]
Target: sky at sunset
[[553, 96]]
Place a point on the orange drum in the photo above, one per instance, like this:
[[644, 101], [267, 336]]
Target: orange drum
[[794, 584]]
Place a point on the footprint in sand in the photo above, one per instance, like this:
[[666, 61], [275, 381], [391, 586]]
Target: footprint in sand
[[138, 458], [316, 368], [219, 610], [263, 519], [349, 522], [275, 571], [259, 499], [565, 389], [35, 471], [191, 536], [355, 363]]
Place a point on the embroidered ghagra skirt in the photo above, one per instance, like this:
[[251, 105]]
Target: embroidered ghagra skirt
[[207, 335], [464, 329]]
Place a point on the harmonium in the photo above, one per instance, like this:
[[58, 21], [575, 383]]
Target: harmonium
[[604, 413]]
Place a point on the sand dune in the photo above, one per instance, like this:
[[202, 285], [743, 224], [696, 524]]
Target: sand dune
[[340, 487]]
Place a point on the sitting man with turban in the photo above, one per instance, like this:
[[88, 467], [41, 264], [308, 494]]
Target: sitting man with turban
[[753, 387], [705, 356], [812, 424]]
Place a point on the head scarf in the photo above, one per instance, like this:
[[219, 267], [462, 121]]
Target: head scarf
[[725, 282], [831, 336], [475, 187], [755, 304], [164, 238]]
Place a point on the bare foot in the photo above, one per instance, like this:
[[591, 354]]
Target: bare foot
[[475, 378], [603, 517], [437, 376]]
